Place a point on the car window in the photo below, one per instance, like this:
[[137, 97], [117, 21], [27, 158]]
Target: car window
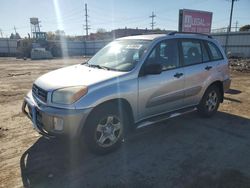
[[152, 56], [166, 54], [121, 55], [191, 52], [205, 56], [215, 52]]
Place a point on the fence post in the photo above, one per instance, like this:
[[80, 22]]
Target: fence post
[[226, 45], [8, 45], [85, 46]]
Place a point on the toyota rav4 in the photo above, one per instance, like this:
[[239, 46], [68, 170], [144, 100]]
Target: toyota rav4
[[132, 82]]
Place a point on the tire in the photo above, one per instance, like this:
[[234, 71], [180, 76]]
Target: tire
[[104, 131], [210, 102]]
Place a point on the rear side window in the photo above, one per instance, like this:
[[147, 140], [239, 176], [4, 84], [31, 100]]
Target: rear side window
[[215, 52], [191, 52], [205, 56]]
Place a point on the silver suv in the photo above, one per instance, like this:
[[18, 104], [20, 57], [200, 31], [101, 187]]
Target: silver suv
[[132, 82]]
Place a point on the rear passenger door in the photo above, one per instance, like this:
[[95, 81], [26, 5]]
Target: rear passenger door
[[197, 68]]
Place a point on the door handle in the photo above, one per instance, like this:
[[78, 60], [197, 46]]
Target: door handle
[[208, 67], [178, 75]]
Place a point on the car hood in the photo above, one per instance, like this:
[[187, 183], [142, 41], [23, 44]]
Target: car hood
[[73, 76]]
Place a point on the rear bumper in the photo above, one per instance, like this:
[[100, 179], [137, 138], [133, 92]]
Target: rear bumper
[[226, 84], [42, 118]]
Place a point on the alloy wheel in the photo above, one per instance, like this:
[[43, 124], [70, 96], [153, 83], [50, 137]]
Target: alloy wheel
[[211, 101], [108, 131]]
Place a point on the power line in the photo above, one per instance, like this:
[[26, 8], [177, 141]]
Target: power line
[[136, 20], [19, 28], [152, 20], [67, 18], [86, 26]]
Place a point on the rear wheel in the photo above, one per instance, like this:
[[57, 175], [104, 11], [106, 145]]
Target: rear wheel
[[105, 129], [210, 102]]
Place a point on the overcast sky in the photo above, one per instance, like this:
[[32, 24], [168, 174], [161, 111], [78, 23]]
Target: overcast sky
[[68, 15]]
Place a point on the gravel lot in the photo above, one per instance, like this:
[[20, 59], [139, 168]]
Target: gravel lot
[[186, 151]]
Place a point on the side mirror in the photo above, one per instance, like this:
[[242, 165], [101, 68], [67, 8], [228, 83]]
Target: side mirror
[[154, 68]]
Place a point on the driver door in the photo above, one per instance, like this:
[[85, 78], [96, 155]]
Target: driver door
[[164, 92]]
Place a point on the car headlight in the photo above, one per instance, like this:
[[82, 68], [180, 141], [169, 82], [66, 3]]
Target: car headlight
[[68, 95]]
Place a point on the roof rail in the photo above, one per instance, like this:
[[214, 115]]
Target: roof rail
[[192, 33]]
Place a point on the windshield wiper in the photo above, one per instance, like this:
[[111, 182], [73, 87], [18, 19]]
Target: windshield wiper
[[98, 66], [85, 62]]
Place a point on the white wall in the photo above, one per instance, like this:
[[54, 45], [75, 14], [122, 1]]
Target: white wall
[[238, 44], [8, 46]]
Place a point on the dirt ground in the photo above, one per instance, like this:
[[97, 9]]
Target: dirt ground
[[187, 151]]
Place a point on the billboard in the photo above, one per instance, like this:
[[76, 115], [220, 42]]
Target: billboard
[[195, 21]]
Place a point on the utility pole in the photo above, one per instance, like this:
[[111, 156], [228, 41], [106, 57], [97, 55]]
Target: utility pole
[[39, 26], [86, 26], [230, 23], [1, 33], [152, 20], [231, 15], [15, 29], [236, 25]]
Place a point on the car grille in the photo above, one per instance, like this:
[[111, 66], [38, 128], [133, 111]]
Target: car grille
[[39, 93]]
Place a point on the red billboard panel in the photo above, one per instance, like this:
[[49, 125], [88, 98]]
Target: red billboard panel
[[195, 21]]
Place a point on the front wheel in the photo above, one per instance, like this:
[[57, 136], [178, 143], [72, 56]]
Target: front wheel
[[210, 102], [105, 129]]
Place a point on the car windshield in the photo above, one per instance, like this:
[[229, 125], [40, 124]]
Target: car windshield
[[122, 55]]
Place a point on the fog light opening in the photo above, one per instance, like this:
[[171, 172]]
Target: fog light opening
[[58, 124]]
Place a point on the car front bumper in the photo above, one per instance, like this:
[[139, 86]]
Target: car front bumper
[[43, 118]]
